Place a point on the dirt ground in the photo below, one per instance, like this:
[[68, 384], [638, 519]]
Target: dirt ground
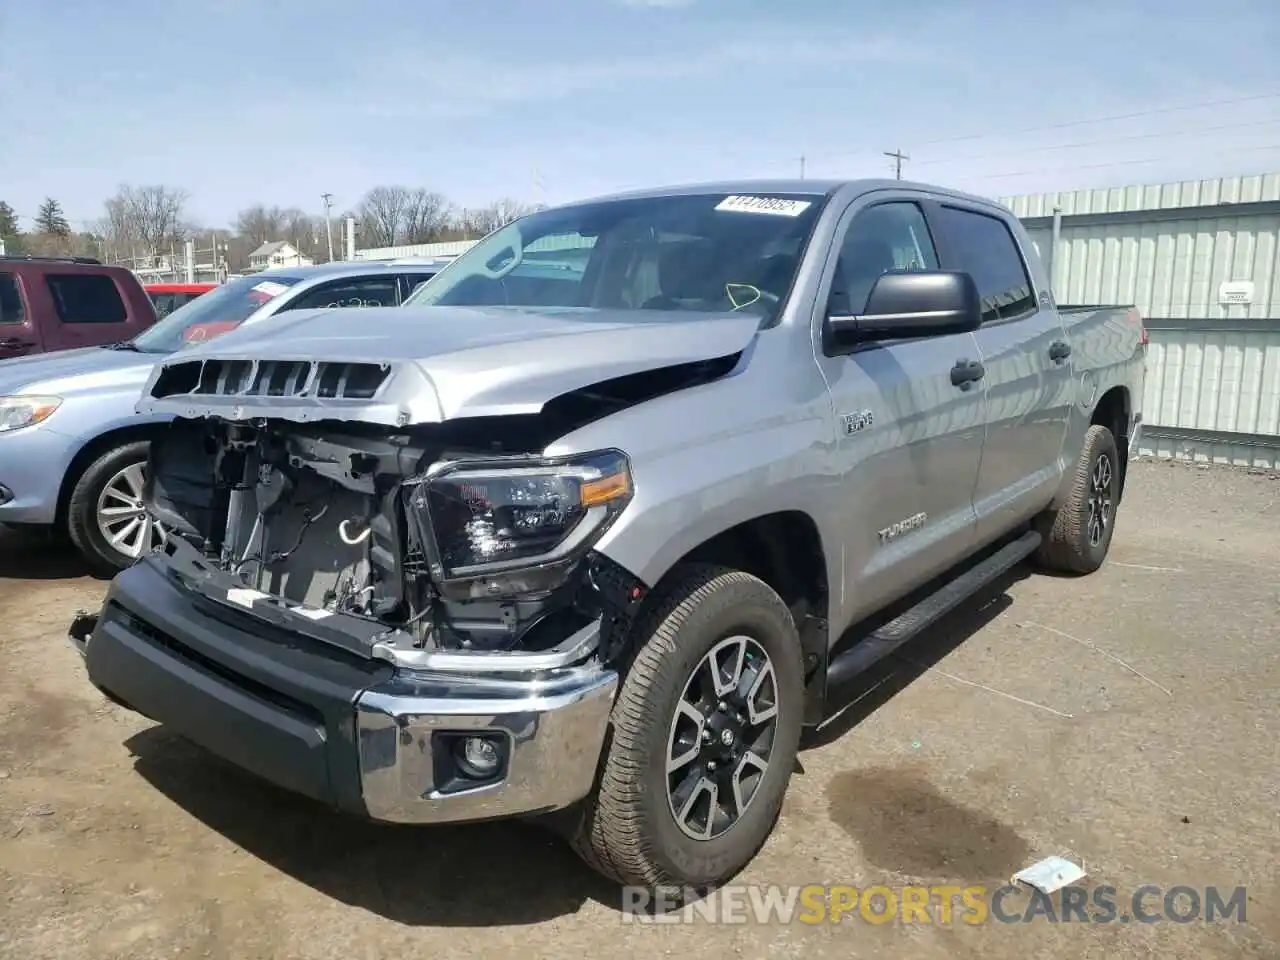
[[1129, 721]]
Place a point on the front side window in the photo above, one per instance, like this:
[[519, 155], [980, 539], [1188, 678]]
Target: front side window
[[983, 246], [86, 298], [695, 254], [11, 309], [888, 236]]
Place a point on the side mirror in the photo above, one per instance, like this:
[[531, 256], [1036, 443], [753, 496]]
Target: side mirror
[[905, 304]]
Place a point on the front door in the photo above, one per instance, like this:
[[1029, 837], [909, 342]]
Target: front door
[[1024, 349], [910, 440], [18, 335]]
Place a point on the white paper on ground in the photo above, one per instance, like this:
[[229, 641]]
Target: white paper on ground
[[1050, 874]]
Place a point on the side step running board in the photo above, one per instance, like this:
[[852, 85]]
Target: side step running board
[[882, 641]]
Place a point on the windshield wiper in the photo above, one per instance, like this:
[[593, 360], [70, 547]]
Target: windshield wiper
[[122, 345]]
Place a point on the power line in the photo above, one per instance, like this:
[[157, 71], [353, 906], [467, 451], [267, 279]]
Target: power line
[[1077, 123], [1201, 131], [1105, 166]]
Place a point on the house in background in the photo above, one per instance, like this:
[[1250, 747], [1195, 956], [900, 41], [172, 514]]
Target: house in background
[[277, 253]]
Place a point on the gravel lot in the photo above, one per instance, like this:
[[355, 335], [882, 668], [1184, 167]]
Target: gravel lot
[[1011, 733]]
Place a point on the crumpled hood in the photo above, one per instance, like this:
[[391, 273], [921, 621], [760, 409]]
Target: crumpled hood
[[65, 372], [429, 364]]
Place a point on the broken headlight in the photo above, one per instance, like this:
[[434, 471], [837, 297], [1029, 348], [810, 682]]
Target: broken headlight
[[494, 524]]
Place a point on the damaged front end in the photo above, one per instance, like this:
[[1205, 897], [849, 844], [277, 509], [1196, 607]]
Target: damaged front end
[[376, 589], [401, 546]]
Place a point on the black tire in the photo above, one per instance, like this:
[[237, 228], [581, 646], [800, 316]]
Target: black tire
[[628, 831], [1071, 543], [82, 521]]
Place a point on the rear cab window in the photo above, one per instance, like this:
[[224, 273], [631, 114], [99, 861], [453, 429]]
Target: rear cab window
[[86, 298], [983, 245], [12, 309]]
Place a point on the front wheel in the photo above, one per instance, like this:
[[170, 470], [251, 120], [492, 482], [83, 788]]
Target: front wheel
[[705, 731], [106, 517]]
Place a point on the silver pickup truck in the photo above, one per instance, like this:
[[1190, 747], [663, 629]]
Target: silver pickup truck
[[614, 507]]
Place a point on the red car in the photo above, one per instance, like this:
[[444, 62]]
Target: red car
[[168, 297], [52, 303]]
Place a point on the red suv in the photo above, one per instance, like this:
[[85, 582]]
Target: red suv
[[49, 304]]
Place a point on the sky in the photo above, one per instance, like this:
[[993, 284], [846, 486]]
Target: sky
[[239, 102]]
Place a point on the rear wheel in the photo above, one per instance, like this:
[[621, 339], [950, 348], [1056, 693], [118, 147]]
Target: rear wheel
[[1077, 536], [704, 735], [106, 517]]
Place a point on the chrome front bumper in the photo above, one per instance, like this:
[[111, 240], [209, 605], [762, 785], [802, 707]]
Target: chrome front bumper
[[379, 737], [549, 731]]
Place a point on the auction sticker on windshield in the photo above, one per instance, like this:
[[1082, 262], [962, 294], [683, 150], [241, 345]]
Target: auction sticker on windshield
[[777, 206], [270, 288]]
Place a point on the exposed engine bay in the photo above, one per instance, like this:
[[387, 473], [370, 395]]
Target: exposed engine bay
[[448, 536], [450, 549]]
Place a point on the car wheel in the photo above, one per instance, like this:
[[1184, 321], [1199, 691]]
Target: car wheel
[[1077, 536], [704, 734], [106, 517]]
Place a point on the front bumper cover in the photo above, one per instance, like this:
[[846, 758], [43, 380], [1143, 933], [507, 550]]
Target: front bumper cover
[[352, 732]]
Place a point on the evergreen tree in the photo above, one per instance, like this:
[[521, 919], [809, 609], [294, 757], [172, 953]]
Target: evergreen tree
[[51, 220], [10, 235]]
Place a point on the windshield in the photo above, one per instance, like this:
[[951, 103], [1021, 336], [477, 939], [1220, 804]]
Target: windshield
[[705, 253], [211, 314]]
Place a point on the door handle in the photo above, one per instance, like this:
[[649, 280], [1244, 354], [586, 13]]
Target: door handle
[[1059, 350], [966, 373]]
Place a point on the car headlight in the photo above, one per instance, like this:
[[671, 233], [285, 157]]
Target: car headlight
[[510, 528], [26, 411]]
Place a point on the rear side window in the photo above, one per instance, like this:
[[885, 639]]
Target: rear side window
[[86, 298], [360, 292], [11, 310], [983, 246]]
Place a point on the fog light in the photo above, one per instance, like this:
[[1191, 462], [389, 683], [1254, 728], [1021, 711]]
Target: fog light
[[479, 757]]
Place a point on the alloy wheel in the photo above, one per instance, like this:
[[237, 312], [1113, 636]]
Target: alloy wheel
[[122, 515], [1100, 496], [721, 737]]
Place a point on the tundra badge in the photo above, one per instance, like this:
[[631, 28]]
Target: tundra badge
[[853, 422], [895, 530]]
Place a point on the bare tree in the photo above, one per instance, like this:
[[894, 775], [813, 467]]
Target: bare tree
[[426, 216], [260, 224], [382, 215], [143, 221], [484, 220]]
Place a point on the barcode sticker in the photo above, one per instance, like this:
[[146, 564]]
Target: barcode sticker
[[776, 206]]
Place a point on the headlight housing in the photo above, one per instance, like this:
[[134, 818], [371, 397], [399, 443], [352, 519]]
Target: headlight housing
[[26, 411], [503, 528]]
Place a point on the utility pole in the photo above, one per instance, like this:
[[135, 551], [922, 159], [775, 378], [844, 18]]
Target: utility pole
[[328, 228], [898, 157]]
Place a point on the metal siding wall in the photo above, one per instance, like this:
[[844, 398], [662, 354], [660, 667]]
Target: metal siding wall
[[1158, 196], [1172, 269], [1202, 380], [1208, 381]]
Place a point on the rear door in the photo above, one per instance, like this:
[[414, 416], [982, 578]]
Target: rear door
[[19, 334], [1024, 350], [88, 309], [911, 440]]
